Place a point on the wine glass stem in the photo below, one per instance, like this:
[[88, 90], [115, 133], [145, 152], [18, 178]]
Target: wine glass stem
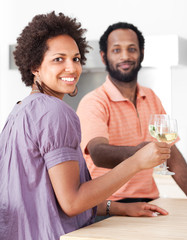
[[164, 165]]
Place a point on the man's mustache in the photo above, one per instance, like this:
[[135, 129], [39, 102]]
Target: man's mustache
[[126, 62]]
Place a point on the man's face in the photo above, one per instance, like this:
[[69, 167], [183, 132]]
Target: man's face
[[123, 55]]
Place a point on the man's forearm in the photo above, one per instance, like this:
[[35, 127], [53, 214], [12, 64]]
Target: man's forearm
[[108, 156], [177, 164]]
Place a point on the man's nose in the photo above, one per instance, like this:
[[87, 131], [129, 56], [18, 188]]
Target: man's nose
[[124, 55]]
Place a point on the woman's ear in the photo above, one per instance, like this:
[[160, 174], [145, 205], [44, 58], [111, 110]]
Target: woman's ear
[[34, 71], [36, 75]]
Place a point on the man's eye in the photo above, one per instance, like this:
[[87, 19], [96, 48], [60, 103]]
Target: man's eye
[[132, 49], [59, 59], [116, 50]]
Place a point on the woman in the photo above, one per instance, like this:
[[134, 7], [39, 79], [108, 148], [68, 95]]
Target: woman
[[45, 187]]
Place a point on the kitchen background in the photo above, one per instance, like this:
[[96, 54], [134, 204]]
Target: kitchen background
[[163, 23]]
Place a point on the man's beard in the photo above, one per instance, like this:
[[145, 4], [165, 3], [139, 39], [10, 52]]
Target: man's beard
[[122, 77]]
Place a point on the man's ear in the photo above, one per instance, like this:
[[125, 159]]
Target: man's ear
[[103, 57], [142, 56]]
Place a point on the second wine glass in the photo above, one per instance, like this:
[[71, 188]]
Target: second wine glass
[[164, 129]]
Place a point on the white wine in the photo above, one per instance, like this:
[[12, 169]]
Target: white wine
[[164, 129], [152, 130], [166, 137]]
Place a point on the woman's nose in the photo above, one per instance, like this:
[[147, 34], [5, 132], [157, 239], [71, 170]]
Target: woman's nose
[[70, 67]]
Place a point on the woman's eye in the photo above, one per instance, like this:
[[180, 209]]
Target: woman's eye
[[77, 59], [59, 59]]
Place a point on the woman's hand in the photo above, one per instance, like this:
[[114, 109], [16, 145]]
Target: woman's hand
[[152, 155], [138, 209]]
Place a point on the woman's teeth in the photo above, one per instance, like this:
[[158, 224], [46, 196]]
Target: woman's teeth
[[68, 79]]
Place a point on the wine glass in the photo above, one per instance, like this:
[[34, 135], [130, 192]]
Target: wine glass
[[164, 129], [152, 130], [152, 121]]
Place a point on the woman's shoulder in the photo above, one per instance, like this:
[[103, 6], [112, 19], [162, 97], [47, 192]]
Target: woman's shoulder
[[43, 108], [45, 104]]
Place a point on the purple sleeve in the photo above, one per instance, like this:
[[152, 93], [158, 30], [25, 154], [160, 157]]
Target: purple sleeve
[[58, 131]]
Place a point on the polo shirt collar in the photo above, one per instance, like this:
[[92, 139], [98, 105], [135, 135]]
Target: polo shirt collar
[[115, 95]]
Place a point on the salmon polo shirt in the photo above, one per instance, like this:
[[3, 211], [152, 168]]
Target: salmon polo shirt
[[104, 112]]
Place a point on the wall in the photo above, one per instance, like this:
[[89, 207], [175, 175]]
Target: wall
[[153, 17]]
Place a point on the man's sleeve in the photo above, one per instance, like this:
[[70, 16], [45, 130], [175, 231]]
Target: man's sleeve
[[93, 114]]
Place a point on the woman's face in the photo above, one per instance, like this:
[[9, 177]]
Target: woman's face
[[61, 68]]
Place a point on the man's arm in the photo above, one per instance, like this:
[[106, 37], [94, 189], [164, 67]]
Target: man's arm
[[108, 156], [177, 164]]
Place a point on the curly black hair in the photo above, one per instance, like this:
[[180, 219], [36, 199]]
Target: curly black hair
[[120, 25], [32, 42]]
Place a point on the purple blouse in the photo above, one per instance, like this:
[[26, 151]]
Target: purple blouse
[[40, 133]]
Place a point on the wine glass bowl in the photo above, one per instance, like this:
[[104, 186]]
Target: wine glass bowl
[[164, 129], [167, 131], [154, 119]]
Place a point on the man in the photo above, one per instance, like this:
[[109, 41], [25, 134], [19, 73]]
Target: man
[[114, 118]]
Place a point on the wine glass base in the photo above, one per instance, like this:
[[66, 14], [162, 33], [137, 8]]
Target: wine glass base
[[165, 172]]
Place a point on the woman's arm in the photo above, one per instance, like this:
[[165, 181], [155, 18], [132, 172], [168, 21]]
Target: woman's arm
[[75, 198], [138, 209]]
